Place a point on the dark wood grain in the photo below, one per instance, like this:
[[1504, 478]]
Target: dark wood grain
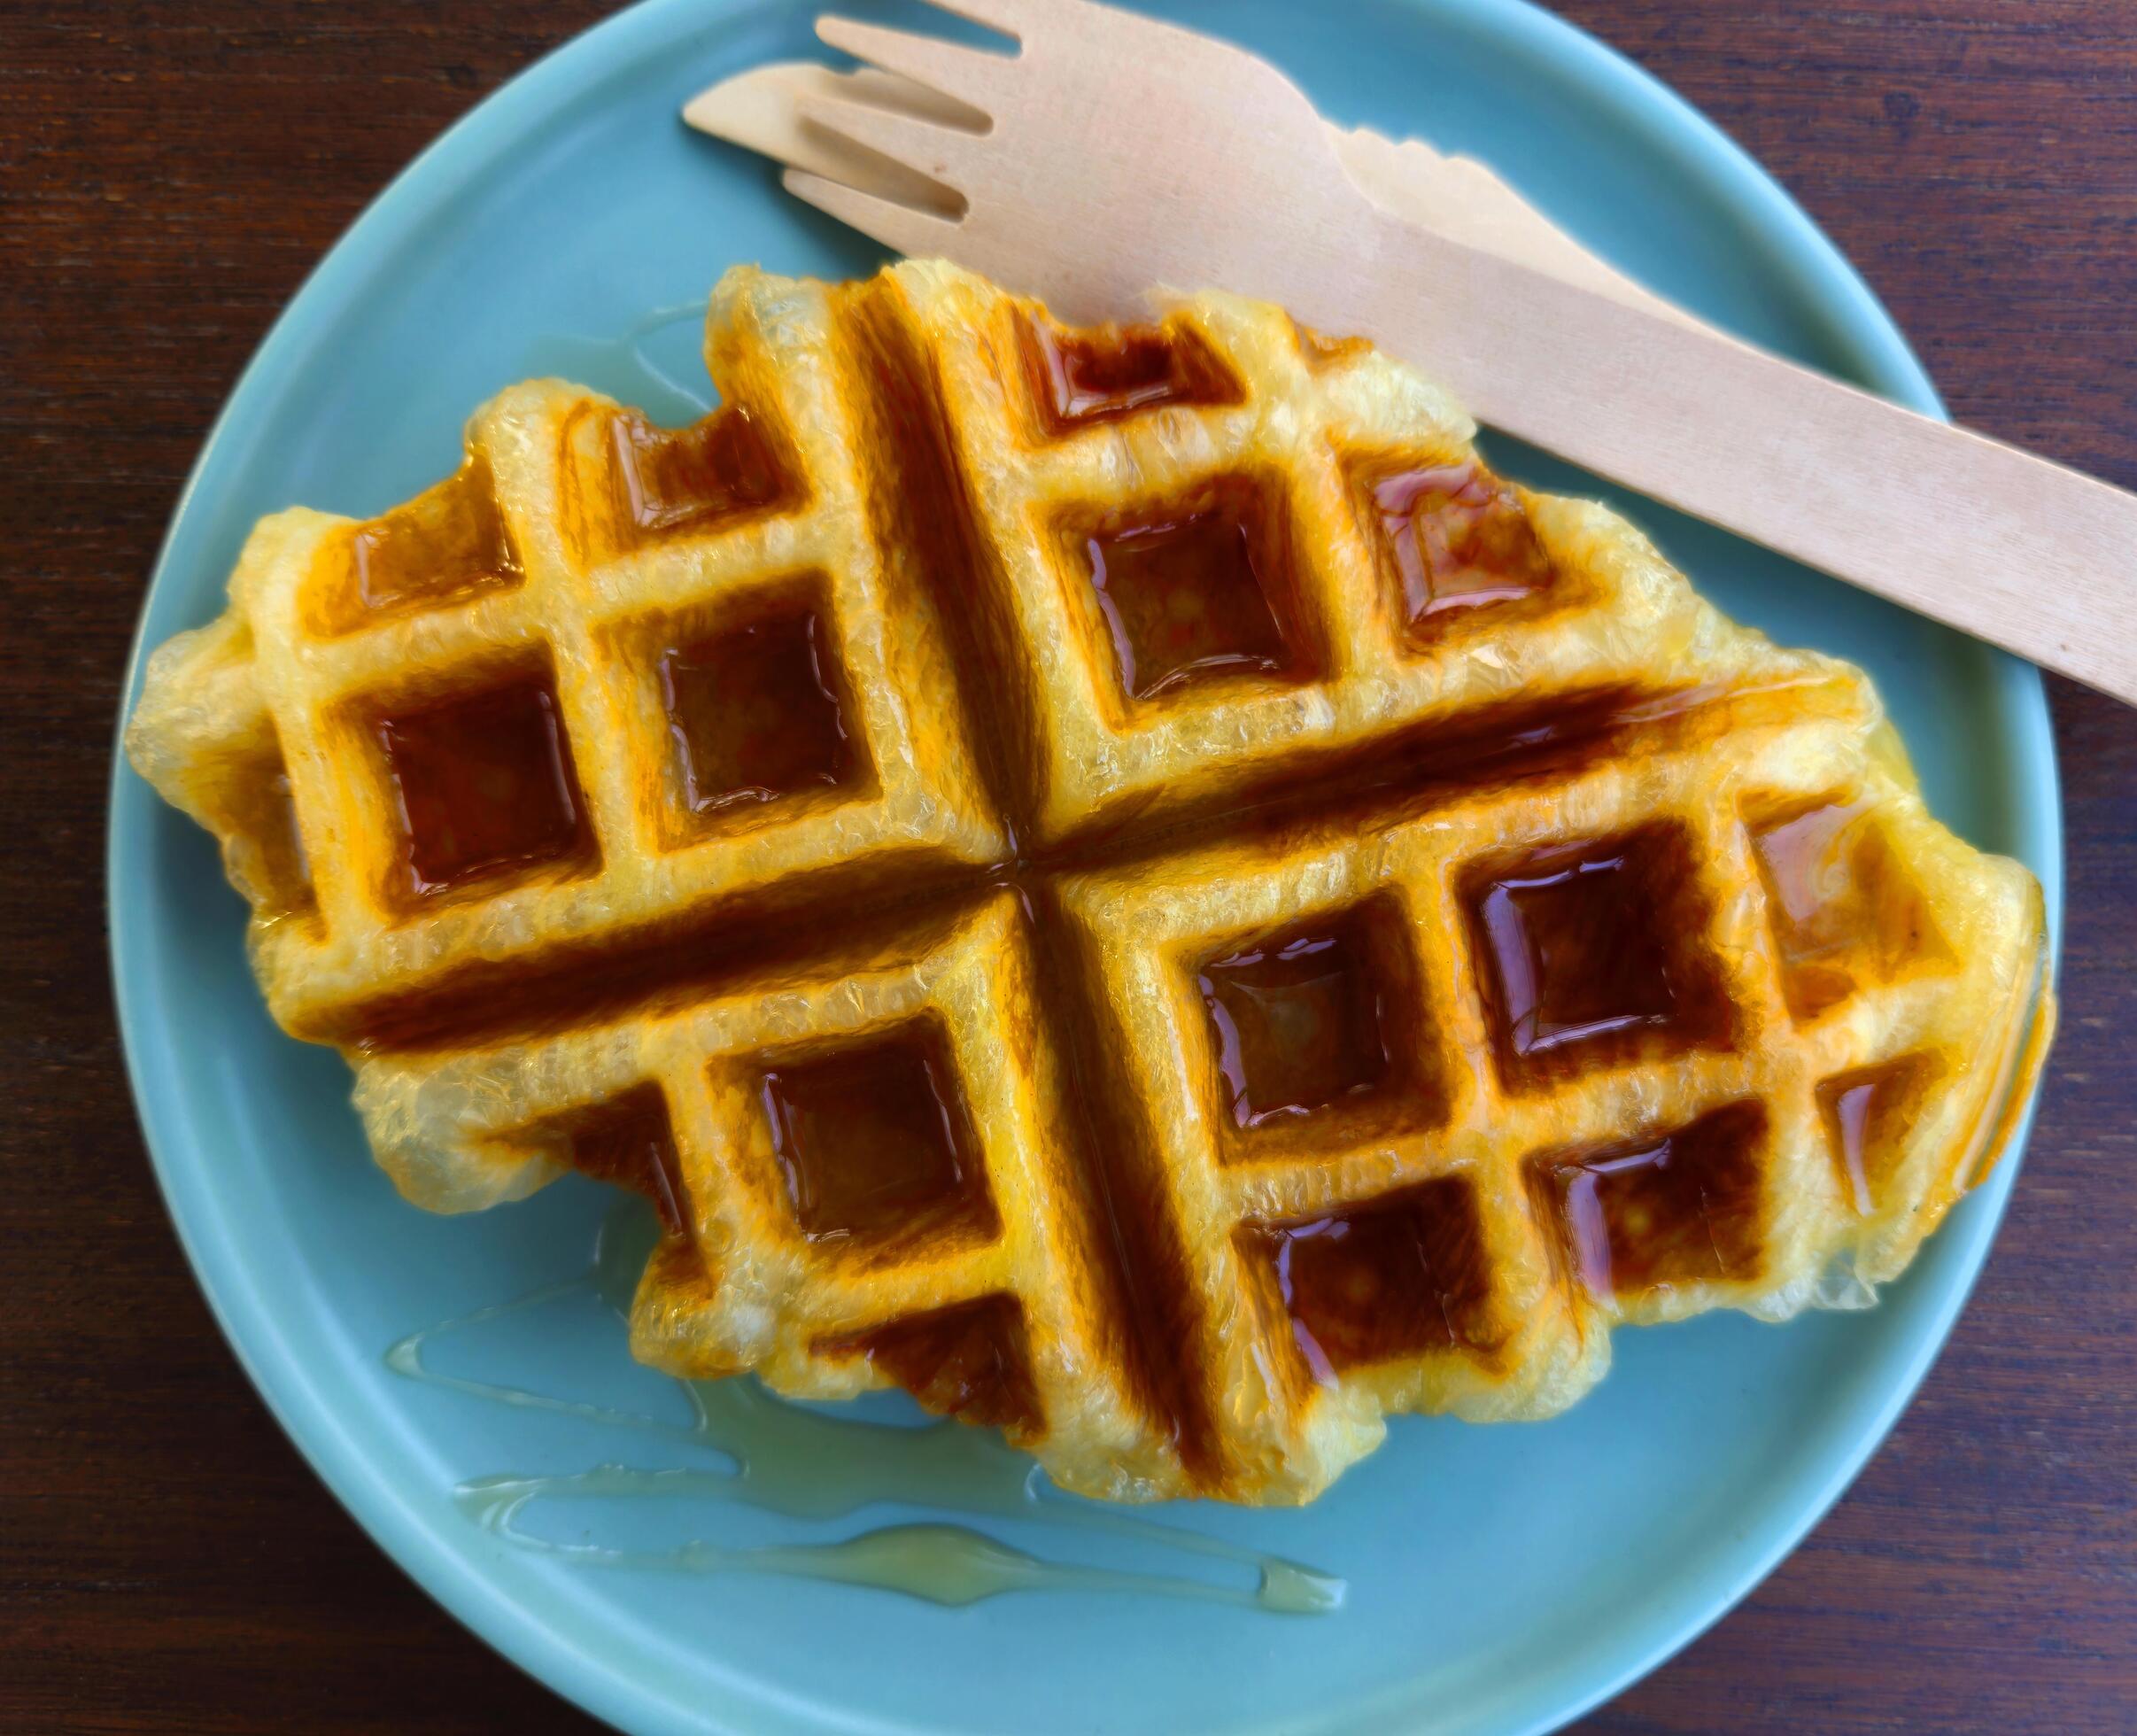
[[168, 172]]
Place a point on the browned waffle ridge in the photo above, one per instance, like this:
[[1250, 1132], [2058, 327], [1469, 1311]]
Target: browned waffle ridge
[[1119, 879]]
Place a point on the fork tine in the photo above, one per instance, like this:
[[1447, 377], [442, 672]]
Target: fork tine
[[916, 233], [970, 75], [1010, 17], [759, 111], [935, 152], [890, 90]]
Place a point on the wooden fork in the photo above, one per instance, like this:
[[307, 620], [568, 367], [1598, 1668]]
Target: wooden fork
[[760, 110], [1112, 152]]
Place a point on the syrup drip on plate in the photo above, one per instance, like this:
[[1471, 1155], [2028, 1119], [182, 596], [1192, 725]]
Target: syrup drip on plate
[[805, 1464], [653, 362]]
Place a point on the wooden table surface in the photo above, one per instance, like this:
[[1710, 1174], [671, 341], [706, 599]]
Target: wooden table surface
[[169, 172]]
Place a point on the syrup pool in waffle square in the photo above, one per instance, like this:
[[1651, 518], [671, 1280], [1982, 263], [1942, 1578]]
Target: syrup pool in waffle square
[[1290, 1041], [1207, 564], [607, 682], [871, 1171], [777, 673]]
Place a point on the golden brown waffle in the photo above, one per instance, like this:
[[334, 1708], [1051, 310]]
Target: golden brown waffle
[[475, 702], [1119, 880]]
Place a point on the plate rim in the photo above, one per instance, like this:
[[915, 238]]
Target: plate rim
[[545, 1649]]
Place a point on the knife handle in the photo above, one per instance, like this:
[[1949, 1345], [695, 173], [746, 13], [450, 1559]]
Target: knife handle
[[2014, 549]]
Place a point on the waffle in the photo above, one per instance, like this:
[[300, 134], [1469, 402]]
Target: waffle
[[475, 735], [1119, 879]]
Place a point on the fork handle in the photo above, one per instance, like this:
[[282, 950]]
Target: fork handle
[[2010, 547]]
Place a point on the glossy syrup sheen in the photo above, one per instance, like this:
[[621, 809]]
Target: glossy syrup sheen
[[971, 1362], [494, 1001], [797, 1462], [628, 1143], [443, 546], [484, 786], [1596, 952], [1299, 1025], [1192, 594], [757, 712], [671, 482], [1681, 1208], [1403, 1276], [1313, 1033], [1866, 1114], [874, 1141], [1103, 373], [1455, 538], [1842, 910]]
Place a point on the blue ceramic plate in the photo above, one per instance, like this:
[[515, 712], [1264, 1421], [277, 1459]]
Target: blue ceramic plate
[[1495, 1579]]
